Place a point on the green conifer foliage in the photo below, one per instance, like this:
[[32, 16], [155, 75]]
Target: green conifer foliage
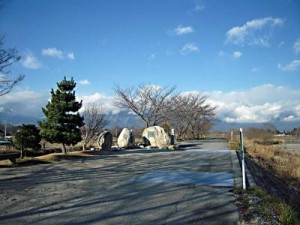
[[63, 121], [28, 136]]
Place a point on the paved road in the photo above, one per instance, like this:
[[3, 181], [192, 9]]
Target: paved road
[[192, 186]]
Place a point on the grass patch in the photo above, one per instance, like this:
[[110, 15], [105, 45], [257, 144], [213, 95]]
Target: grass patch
[[258, 207], [234, 145], [282, 163]]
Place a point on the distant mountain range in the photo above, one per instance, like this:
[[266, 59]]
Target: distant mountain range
[[280, 125], [127, 119], [18, 119]]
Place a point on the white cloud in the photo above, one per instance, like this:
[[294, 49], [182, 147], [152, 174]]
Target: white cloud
[[292, 66], [199, 5], [255, 70], [30, 61], [290, 118], [189, 48], [26, 103], [258, 104], [107, 102], [84, 82], [254, 32], [53, 52], [71, 55], [30, 103], [237, 54], [181, 30], [296, 47]]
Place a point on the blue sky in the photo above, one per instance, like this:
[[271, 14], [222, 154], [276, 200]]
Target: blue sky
[[222, 48]]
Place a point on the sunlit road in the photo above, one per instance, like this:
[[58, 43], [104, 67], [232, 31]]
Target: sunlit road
[[192, 186]]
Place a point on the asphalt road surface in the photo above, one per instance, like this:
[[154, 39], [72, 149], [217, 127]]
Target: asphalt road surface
[[190, 186]]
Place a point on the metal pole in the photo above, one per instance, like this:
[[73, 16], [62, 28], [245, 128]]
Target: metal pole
[[172, 137], [5, 130], [243, 158]]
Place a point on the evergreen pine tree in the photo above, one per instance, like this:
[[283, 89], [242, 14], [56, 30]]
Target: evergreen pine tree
[[28, 136], [63, 121]]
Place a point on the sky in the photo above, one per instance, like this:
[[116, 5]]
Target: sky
[[245, 55]]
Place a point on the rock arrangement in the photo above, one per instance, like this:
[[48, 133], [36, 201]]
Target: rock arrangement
[[153, 137]]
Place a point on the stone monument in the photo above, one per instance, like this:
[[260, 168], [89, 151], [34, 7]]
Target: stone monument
[[156, 136], [105, 140]]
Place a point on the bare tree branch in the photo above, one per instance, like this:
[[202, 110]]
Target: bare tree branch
[[147, 102], [190, 115], [7, 58], [94, 121]]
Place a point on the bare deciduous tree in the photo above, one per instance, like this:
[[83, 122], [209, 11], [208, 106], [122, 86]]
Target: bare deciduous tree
[[147, 102], [7, 58], [190, 114], [94, 121]]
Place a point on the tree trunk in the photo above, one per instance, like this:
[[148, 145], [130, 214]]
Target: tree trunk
[[64, 150]]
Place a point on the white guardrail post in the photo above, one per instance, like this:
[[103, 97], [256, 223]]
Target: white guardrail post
[[243, 158]]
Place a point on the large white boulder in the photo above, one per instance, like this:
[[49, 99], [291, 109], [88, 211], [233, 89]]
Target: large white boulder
[[156, 136], [124, 138]]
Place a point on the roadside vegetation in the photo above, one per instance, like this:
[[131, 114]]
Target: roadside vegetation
[[266, 148], [284, 164], [258, 207]]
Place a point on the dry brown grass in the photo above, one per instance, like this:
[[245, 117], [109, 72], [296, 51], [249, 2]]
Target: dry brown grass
[[284, 164], [49, 158], [60, 156]]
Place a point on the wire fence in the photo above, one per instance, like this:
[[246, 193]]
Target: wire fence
[[273, 185]]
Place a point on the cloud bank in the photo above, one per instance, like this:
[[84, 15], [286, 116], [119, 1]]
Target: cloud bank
[[259, 104], [256, 105], [290, 67]]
